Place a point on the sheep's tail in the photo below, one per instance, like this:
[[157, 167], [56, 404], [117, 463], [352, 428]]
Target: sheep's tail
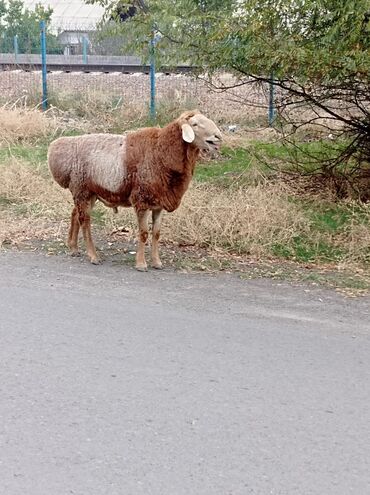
[[60, 160]]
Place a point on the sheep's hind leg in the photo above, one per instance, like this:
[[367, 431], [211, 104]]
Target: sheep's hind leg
[[142, 217], [73, 233], [157, 220], [84, 208]]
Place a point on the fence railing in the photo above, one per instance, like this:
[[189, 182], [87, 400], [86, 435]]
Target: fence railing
[[75, 63], [24, 59], [50, 67]]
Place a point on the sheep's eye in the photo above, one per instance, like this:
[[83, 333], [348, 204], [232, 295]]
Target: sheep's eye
[[195, 125]]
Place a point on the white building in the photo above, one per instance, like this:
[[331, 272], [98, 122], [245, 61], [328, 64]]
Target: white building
[[72, 20]]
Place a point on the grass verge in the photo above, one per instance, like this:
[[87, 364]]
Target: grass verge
[[234, 217]]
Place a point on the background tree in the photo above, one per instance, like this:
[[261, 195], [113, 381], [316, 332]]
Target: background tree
[[109, 38], [15, 19], [316, 51]]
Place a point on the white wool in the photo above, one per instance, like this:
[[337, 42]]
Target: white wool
[[106, 160]]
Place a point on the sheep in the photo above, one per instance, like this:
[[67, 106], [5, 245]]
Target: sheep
[[149, 169]]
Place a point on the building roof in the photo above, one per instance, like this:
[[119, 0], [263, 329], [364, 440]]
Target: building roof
[[73, 15]]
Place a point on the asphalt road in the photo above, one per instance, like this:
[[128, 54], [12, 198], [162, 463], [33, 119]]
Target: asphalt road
[[115, 382]]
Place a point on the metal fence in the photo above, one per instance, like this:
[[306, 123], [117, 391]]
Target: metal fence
[[43, 78]]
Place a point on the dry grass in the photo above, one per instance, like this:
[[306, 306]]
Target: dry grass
[[249, 220], [246, 220], [33, 205], [243, 137], [22, 184], [101, 112], [246, 103], [18, 124], [116, 103], [240, 221], [258, 220], [18, 230], [356, 237]]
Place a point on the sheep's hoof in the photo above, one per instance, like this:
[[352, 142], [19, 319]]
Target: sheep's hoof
[[141, 268], [157, 266], [95, 261], [75, 253]]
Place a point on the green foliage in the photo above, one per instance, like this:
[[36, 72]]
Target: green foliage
[[316, 51], [328, 223], [16, 20], [303, 249], [232, 164], [34, 154], [309, 39]]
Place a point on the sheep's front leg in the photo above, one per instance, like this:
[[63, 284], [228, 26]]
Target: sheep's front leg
[[73, 233], [84, 208], [157, 220], [142, 217]]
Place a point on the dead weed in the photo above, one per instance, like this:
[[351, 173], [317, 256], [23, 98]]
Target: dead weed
[[18, 124], [247, 220], [26, 189]]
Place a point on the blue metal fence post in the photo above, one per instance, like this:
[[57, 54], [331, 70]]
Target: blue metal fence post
[[16, 49], [272, 101], [152, 78], [84, 50], [43, 61]]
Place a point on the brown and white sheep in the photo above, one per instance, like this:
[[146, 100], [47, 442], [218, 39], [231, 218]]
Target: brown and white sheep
[[149, 169]]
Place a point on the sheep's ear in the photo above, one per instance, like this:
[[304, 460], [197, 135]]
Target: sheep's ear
[[187, 133]]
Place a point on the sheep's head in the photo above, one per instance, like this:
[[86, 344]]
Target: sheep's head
[[200, 131]]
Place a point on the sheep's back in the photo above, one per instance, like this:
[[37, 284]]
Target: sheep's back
[[103, 160], [95, 159]]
